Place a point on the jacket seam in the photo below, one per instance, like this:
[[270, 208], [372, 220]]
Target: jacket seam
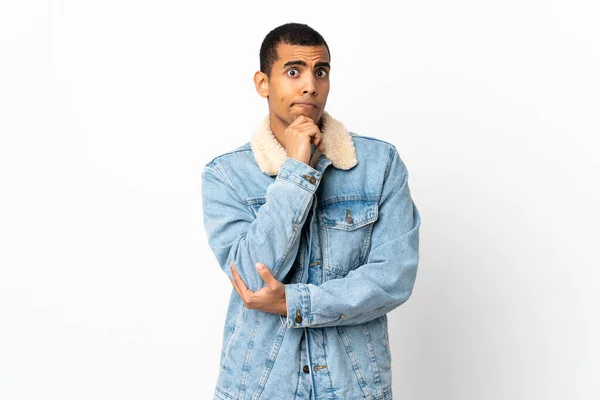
[[240, 149], [331, 392], [225, 177], [281, 178], [295, 233], [222, 393], [233, 337], [373, 139], [269, 365], [386, 174], [350, 197], [247, 356], [373, 360], [354, 362]]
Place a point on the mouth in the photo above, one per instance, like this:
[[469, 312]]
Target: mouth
[[307, 105]]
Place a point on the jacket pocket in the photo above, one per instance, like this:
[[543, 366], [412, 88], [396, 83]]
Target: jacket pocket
[[386, 340], [232, 339], [346, 227], [367, 356]]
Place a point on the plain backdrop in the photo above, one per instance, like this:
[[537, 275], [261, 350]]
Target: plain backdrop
[[110, 110]]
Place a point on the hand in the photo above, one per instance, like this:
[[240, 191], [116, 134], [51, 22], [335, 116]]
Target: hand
[[269, 299], [298, 137]]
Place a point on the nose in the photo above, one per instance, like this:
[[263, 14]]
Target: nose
[[310, 85]]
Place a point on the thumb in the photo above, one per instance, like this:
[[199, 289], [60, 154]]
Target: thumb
[[265, 273]]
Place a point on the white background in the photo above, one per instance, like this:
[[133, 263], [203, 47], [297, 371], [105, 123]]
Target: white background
[[109, 111]]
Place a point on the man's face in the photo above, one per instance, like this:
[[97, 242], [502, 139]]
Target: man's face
[[300, 75]]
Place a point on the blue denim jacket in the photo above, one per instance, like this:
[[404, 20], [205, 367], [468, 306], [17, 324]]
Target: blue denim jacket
[[342, 234]]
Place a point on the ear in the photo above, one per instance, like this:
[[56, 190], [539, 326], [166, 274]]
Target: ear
[[261, 81]]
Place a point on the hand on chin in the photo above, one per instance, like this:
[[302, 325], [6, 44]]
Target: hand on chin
[[296, 113]]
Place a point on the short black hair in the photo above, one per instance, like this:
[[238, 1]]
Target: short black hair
[[290, 33]]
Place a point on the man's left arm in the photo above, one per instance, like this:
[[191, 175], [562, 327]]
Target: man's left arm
[[387, 278]]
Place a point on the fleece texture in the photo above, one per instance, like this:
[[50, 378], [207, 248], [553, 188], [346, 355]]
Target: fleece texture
[[338, 146]]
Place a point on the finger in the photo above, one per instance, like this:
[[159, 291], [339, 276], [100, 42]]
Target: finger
[[304, 129], [234, 272], [235, 287], [315, 137], [300, 119], [238, 279], [312, 131], [304, 122], [240, 287], [265, 273], [318, 137], [307, 126]]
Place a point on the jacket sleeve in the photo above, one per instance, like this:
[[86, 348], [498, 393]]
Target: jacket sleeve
[[272, 236], [386, 279]]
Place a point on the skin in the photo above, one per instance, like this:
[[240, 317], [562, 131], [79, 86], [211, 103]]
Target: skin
[[269, 299], [299, 75]]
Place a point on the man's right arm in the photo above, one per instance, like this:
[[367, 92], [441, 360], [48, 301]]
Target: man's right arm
[[272, 236]]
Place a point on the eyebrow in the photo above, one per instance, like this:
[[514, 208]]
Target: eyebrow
[[300, 62]]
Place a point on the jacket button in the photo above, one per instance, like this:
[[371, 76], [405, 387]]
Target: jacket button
[[298, 319], [312, 180], [306, 369], [348, 217]]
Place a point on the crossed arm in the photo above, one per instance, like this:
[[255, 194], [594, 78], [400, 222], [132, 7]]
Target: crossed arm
[[383, 283], [270, 298]]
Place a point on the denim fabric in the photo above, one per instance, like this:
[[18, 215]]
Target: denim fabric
[[346, 245]]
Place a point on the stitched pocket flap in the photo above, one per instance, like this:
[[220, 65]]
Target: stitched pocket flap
[[349, 214]]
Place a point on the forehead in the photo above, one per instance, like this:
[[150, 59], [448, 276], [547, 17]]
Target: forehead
[[310, 54]]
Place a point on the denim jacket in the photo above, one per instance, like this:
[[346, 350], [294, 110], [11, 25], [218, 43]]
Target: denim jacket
[[342, 234]]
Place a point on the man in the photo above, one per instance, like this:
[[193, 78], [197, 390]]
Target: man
[[317, 231]]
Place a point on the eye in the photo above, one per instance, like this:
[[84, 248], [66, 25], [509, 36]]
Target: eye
[[324, 73], [295, 72]]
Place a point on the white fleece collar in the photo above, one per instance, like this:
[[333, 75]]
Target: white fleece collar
[[338, 146]]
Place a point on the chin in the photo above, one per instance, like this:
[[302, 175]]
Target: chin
[[314, 115]]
